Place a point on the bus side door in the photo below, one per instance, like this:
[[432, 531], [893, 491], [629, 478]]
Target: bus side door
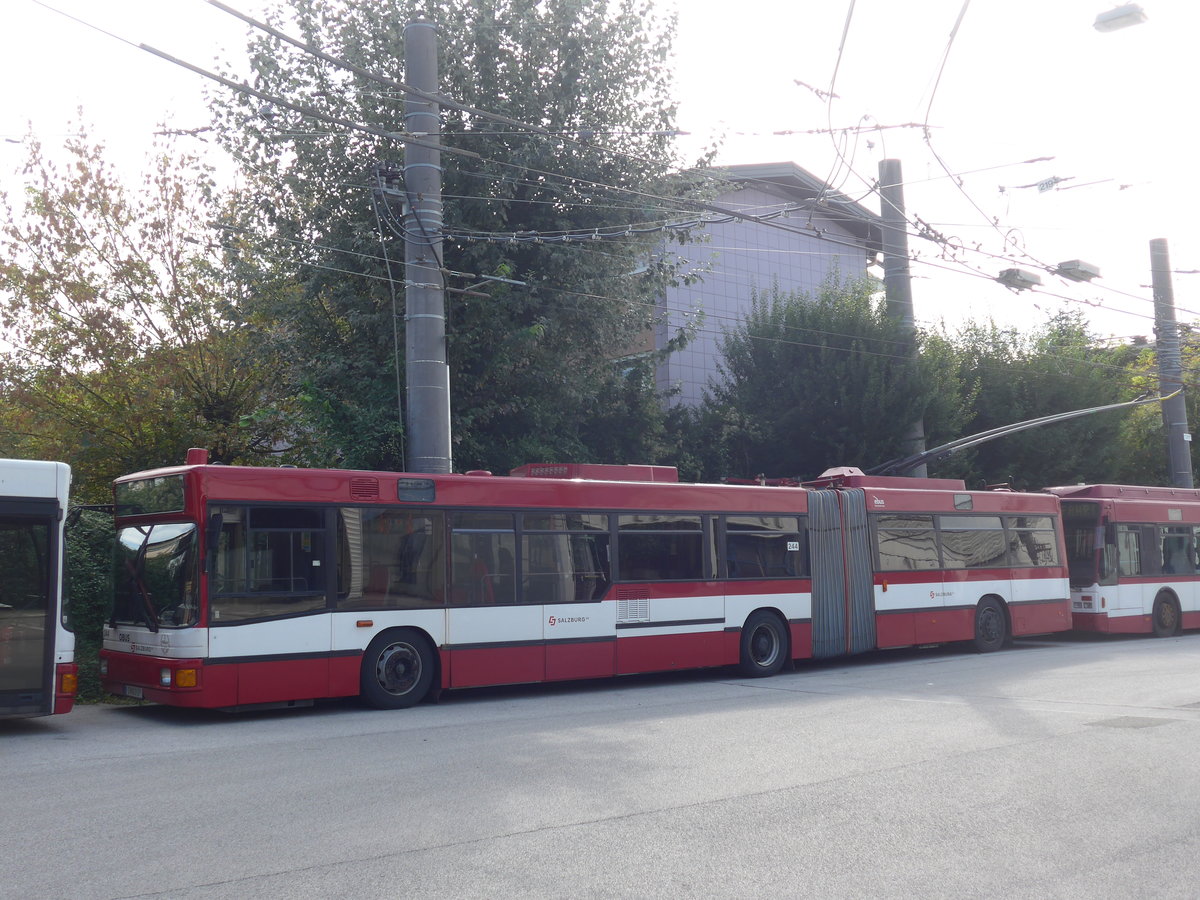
[[492, 634], [1176, 556]]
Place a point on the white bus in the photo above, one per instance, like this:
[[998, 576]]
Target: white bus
[[38, 675]]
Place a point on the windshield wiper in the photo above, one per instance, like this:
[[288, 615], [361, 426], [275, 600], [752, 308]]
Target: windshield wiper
[[136, 586]]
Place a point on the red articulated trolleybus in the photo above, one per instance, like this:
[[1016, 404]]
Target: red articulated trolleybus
[[1133, 560], [245, 586]]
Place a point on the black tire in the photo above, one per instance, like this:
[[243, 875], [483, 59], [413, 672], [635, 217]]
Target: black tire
[[397, 670], [764, 645], [1165, 616], [991, 625]]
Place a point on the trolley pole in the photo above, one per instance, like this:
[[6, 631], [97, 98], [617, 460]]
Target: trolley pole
[[426, 368], [1170, 367], [897, 282]]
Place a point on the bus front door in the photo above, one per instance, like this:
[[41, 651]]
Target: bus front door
[[26, 608]]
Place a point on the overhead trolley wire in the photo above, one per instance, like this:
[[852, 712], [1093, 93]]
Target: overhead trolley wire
[[405, 138]]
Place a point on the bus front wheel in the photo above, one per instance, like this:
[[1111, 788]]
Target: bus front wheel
[[991, 625], [397, 670], [1166, 616]]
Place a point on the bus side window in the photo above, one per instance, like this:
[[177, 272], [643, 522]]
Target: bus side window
[[1129, 550], [662, 547], [391, 559], [1178, 558], [269, 562], [906, 542], [564, 557], [483, 552], [975, 542], [763, 547], [564, 568], [1033, 541]]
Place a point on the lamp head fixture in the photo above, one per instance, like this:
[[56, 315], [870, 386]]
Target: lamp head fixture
[[1077, 270], [1018, 279], [1118, 17]]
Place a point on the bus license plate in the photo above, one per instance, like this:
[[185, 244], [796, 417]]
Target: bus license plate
[[134, 692]]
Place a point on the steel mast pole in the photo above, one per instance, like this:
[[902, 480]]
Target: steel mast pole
[[426, 367], [1170, 367], [897, 281]]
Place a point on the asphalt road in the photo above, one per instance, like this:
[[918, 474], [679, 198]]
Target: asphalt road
[[1057, 768]]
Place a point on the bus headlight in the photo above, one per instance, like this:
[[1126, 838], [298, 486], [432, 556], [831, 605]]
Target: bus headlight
[[164, 677]]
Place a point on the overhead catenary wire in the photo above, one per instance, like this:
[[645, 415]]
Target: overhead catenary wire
[[396, 85], [734, 321], [922, 230], [570, 179], [831, 94], [508, 237], [927, 129], [918, 260], [311, 112], [448, 102]]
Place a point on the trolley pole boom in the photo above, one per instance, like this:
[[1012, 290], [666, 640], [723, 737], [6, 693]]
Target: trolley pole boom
[[907, 463]]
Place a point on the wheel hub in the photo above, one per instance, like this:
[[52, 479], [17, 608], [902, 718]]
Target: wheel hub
[[399, 669]]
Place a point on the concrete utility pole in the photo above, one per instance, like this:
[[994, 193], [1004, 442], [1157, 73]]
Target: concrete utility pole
[[897, 282], [425, 305], [1170, 367]]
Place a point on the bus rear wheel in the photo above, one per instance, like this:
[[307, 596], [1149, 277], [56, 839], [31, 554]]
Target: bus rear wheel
[[991, 625], [764, 645], [397, 670], [1165, 616]]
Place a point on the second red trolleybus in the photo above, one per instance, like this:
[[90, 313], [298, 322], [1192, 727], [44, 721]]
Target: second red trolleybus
[[1132, 553], [241, 586]]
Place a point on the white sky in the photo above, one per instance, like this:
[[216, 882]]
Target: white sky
[[1024, 79]]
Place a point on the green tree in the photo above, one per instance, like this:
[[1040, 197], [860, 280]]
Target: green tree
[[89, 590], [127, 341], [810, 382], [1057, 367], [1142, 456], [532, 375]]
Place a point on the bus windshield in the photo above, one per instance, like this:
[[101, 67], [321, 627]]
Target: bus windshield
[[155, 576]]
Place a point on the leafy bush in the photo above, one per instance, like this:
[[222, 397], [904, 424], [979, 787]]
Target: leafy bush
[[89, 590]]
